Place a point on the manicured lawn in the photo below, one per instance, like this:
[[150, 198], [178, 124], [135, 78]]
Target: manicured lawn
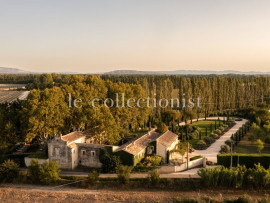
[[247, 147], [206, 124]]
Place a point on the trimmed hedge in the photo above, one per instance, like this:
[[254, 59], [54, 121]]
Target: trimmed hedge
[[244, 159]]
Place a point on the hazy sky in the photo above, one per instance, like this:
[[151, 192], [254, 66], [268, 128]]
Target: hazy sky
[[104, 35]]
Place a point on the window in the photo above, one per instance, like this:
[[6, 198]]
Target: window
[[83, 153], [93, 153], [57, 151]]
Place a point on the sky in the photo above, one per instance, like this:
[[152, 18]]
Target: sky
[[91, 36]]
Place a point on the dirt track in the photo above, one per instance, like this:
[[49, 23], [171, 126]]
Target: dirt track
[[30, 193]]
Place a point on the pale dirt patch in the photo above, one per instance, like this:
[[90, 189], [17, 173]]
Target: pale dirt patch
[[31, 193]]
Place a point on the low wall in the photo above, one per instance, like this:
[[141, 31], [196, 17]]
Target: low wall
[[182, 167], [28, 160]]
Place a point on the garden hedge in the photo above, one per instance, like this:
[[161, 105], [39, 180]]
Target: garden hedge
[[244, 159]]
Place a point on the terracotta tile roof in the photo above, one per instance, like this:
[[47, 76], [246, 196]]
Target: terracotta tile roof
[[72, 145], [73, 136], [139, 143], [167, 138]]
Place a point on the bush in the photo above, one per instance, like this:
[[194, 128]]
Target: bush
[[93, 177], [201, 145], [260, 176], [213, 177], [267, 139], [221, 128], [229, 142], [154, 160], [123, 173], [224, 149], [9, 171], [49, 172], [209, 140], [251, 138], [225, 126], [34, 170], [214, 136], [249, 160], [154, 178], [109, 162], [217, 131]]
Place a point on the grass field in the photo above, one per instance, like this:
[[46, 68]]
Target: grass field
[[206, 124], [247, 147], [203, 125]]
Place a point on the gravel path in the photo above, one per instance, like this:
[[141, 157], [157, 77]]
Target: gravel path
[[211, 152]]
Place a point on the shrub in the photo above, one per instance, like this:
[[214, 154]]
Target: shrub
[[109, 162], [259, 145], [267, 139], [223, 176], [214, 136], [221, 129], [123, 173], [154, 178], [229, 142], [192, 136], [251, 138], [93, 177], [34, 170], [224, 149], [244, 159], [225, 126], [217, 131], [154, 160], [201, 145], [209, 140], [260, 176], [9, 170], [49, 172]]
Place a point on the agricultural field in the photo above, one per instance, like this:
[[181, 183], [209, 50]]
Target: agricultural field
[[10, 96]]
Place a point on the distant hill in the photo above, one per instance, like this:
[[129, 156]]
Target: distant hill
[[11, 70], [4, 70], [184, 72]]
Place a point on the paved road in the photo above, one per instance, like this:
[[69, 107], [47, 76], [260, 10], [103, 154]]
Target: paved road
[[187, 174]]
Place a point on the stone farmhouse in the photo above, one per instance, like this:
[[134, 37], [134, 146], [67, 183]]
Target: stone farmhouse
[[79, 149]]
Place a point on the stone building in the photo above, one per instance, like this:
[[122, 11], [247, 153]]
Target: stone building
[[79, 149], [72, 150]]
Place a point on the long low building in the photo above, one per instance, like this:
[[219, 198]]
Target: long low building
[[75, 149]]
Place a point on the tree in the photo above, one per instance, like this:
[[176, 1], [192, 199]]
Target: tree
[[109, 162], [9, 170], [259, 145], [93, 177], [123, 173], [49, 172], [34, 170], [162, 127]]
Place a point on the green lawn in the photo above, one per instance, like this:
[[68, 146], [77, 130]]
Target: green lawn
[[247, 147], [206, 124]]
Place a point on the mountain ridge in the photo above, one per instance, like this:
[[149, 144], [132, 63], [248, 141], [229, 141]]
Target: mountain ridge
[[7, 70]]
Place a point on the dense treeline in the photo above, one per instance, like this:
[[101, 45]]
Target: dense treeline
[[47, 111]]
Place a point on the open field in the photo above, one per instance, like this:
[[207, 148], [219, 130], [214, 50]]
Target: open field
[[30, 193], [247, 147]]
